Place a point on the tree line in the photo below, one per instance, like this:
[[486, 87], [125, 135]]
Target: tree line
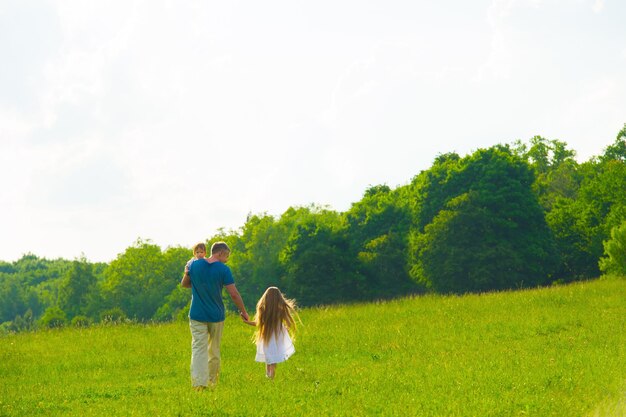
[[510, 216]]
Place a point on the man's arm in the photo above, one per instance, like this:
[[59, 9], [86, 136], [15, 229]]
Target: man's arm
[[236, 297], [186, 281]]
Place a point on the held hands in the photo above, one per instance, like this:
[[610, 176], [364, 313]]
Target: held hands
[[246, 319]]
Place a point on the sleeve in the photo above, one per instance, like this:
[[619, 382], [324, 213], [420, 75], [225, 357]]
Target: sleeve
[[227, 278]]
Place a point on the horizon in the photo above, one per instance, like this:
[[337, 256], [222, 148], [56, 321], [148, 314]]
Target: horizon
[[165, 246]]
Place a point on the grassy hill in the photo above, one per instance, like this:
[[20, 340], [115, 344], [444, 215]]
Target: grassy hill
[[557, 351]]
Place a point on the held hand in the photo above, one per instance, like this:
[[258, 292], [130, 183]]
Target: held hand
[[246, 319]]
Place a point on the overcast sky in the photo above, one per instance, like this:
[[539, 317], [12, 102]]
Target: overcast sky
[[166, 120]]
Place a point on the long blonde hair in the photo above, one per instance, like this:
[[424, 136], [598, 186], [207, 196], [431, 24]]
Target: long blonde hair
[[273, 311]]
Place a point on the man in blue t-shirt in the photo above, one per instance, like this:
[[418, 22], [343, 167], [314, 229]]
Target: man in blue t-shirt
[[206, 277]]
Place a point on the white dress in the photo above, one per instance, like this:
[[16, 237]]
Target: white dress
[[278, 349]]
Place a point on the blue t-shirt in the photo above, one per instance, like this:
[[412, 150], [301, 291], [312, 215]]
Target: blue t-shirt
[[207, 281]]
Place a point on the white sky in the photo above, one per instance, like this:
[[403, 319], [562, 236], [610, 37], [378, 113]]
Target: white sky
[[166, 120]]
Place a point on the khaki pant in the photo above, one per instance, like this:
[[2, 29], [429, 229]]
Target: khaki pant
[[205, 352]]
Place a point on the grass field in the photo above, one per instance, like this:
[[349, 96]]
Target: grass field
[[557, 351]]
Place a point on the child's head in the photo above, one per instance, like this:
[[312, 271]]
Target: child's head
[[199, 250], [272, 310]]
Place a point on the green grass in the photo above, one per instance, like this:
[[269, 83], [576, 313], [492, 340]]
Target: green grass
[[557, 351]]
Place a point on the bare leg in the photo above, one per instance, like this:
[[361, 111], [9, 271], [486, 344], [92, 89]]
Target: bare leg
[[270, 369]]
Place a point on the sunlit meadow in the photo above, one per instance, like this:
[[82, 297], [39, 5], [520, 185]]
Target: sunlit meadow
[[558, 351]]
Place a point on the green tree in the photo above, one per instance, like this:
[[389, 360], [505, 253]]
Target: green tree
[[556, 170], [23, 323], [432, 189], [80, 321], [11, 297], [53, 317], [575, 232], [255, 262], [174, 260], [617, 150], [580, 225], [112, 315], [77, 288], [488, 231], [614, 261], [377, 231], [136, 282], [178, 300], [258, 250], [317, 270]]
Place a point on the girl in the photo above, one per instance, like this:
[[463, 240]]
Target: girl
[[274, 320]]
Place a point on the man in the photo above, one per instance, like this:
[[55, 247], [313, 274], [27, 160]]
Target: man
[[206, 277]]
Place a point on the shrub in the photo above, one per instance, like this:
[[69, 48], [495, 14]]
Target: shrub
[[615, 250], [53, 317], [81, 321], [114, 314]]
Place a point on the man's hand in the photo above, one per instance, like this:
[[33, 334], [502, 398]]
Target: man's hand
[[246, 318]]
